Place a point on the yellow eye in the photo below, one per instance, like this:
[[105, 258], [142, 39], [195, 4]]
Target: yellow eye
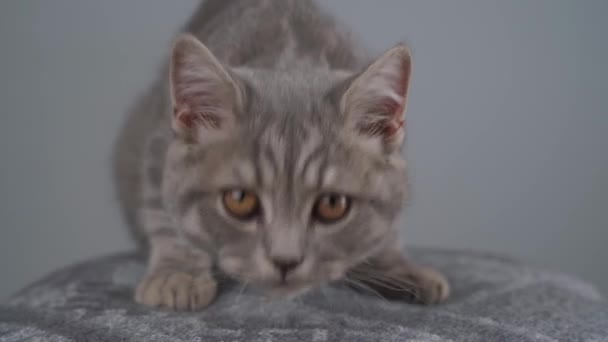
[[242, 204], [330, 208]]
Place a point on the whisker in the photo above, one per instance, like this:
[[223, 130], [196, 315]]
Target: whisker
[[238, 296], [390, 286], [382, 280], [395, 280], [364, 287], [384, 276]]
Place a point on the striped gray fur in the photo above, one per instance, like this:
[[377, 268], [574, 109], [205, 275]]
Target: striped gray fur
[[292, 110]]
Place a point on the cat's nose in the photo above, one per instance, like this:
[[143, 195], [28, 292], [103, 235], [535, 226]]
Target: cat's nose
[[285, 266]]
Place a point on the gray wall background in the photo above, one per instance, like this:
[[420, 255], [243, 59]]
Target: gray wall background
[[507, 121]]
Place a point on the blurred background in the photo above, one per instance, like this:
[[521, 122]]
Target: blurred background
[[507, 124]]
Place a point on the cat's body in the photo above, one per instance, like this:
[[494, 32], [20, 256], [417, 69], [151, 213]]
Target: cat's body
[[276, 119]]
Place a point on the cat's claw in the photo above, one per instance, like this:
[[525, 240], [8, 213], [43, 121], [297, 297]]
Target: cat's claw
[[176, 290]]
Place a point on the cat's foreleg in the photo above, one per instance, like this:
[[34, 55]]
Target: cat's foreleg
[[178, 277], [392, 276]]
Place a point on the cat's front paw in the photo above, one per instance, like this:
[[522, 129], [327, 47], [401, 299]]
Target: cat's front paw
[[431, 287], [416, 285], [176, 290]]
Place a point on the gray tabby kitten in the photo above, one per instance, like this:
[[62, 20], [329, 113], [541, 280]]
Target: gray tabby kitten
[[269, 152]]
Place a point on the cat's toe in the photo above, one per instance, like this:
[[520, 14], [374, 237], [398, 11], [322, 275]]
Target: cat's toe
[[431, 286], [176, 290]]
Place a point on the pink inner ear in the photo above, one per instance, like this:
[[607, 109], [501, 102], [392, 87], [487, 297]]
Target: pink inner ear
[[394, 122], [385, 112], [393, 126], [184, 117], [188, 119], [391, 121]]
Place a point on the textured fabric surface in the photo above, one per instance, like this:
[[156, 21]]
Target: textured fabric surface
[[494, 299]]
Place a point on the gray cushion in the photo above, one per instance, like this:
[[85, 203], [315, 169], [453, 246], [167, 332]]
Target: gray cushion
[[494, 299]]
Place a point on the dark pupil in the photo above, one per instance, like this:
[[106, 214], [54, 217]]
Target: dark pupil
[[333, 201], [238, 195]]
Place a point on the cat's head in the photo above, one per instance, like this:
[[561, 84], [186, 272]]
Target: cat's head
[[289, 177]]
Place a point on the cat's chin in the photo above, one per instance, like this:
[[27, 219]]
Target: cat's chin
[[287, 290], [279, 289]]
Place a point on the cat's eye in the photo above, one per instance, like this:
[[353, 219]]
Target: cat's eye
[[331, 208], [242, 204]]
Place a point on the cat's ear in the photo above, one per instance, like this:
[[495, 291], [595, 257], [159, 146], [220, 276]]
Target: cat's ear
[[374, 104], [204, 95]]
